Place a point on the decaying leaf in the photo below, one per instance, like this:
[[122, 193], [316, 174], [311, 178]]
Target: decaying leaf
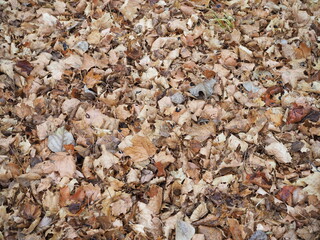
[[194, 120]]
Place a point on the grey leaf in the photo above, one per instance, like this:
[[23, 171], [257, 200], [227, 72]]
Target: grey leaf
[[58, 139], [206, 88], [184, 230]]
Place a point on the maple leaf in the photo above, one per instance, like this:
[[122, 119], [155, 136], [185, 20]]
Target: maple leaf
[[141, 149]]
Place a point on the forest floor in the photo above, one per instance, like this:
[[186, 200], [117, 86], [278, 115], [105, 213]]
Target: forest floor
[[158, 119]]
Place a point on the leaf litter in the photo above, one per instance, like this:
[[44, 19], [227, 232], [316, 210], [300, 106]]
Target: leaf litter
[[159, 119]]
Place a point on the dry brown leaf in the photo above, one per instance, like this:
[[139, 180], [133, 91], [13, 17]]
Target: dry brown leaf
[[122, 205], [92, 79], [201, 2], [141, 149], [130, 9], [210, 233], [236, 229], [311, 184], [106, 160], [60, 162], [155, 203]]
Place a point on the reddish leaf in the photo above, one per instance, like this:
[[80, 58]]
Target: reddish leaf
[[64, 196], [260, 179], [25, 66], [297, 113], [268, 95], [285, 194], [209, 73], [160, 167], [303, 51], [69, 147]]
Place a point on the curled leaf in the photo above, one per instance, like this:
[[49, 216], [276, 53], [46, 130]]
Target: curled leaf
[[203, 89], [297, 113], [260, 179], [270, 93], [286, 193]]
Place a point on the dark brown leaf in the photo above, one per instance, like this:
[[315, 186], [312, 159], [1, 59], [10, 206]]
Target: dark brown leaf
[[25, 66]]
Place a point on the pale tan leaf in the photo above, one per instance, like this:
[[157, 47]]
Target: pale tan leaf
[[141, 149]]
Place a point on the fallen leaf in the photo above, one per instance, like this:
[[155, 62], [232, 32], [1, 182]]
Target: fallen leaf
[[141, 149], [286, 193], [311, 184], [64, 164], [60, 138], [184, 230], [279, 151], [303, 51], [210, 233], [130, 9], [236, 229], [122, 205], [199, 212], [297, 113], [106, 160], [268, 96], [259, 235], [91, 79], [25, 66], [204, 89], [260, 179]]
